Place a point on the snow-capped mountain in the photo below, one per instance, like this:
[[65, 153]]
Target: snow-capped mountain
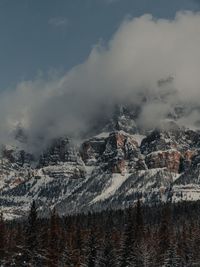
[[109, 170]]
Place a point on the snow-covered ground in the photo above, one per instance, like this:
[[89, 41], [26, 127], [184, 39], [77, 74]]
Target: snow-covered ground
[[116, 181]]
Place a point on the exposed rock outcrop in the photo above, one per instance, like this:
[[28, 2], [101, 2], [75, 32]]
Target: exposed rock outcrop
[[169, 159]]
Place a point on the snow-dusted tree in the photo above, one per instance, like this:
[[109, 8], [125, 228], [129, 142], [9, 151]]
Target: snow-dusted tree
[[145, 253], [128, 243], [65, 259], [91, 250], [139, 223], [107, 256], [31, 236], [54, 238], [164, 234], [2, 239], [186, 248], [171, 259], [195, 238]]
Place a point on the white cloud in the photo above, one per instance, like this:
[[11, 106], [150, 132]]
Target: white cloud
[[142, 52], [111, 1], [58, 21]]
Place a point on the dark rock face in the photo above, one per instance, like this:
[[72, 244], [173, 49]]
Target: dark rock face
[[181, 139], [119, 149], [19, 157], [157, 141], [115, 152], [173, 149], [61, 150], [92, 150]]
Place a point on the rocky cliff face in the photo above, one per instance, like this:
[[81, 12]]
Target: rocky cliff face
[[109, 170], [169, 159]]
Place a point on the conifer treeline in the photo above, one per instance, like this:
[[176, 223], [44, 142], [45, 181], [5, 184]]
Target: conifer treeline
[[166, 235]]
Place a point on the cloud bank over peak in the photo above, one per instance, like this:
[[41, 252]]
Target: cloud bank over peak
[[157, 59]]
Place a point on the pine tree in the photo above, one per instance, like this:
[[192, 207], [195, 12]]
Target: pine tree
[[65, 259], [128, 243], [54, 236], [139, 223], [108, 257], [196, 243], [138, 236], [19, 251], [78, 246], [92, 247], [186, 254], [146, 253], [32, 228], [171, 258], [164, 234], [2, 239], [31, 236]]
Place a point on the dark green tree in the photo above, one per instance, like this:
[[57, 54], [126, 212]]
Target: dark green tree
[[54, 240], [92, 248], [31, 236], [2, 239], [128, 243], [108, 257]]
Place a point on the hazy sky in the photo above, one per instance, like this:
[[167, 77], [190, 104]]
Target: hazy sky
[[41, 36]]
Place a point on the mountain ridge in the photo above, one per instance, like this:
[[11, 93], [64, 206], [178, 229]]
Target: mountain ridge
[[112, 169]]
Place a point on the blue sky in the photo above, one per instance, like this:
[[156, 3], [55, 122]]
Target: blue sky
[[40, 36]]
